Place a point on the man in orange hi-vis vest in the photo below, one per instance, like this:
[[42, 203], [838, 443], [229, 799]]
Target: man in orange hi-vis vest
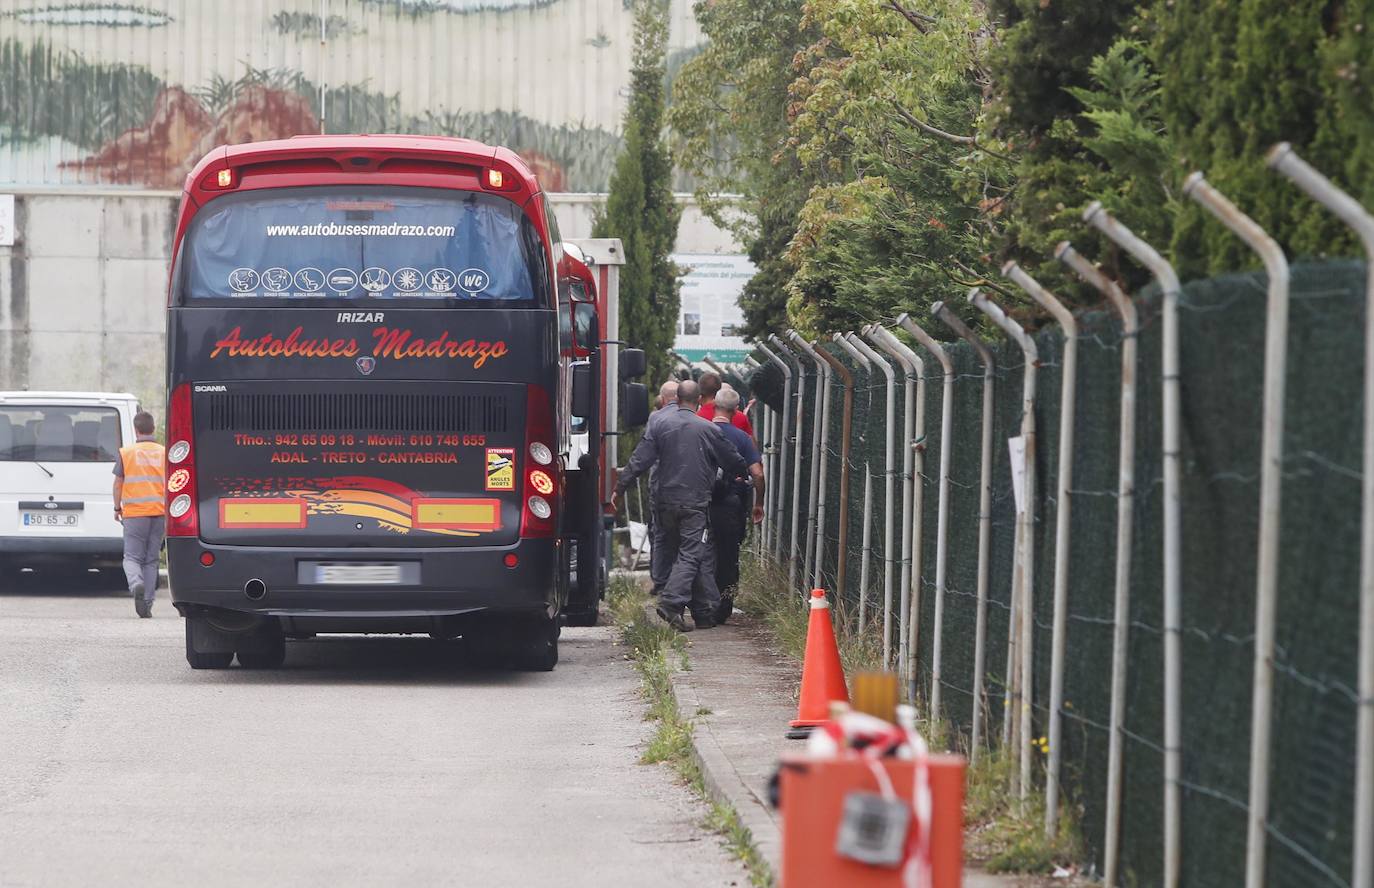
[[140, 504]]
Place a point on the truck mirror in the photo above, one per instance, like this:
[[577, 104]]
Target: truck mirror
[[634, 404], [632, 363], [583, 390], [585, 326]]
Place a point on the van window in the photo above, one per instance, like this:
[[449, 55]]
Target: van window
[[52, 433]]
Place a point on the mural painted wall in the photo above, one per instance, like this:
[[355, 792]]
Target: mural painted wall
[[133, 93]]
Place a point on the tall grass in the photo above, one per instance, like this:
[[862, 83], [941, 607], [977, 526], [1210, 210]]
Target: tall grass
[[656, 651]]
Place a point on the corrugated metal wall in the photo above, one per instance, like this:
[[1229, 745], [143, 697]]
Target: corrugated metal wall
[[132, 93]]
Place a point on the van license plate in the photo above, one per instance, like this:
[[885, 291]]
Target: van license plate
[[41, 520], [375, 574]]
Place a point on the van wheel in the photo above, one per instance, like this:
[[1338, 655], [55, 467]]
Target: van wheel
[[581, 616], [264, 647], [204, 660]]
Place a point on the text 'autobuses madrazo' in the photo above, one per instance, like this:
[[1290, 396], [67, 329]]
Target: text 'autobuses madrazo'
[[388, 342]]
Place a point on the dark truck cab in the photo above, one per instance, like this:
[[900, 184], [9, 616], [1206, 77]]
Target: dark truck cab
[[369, 406]]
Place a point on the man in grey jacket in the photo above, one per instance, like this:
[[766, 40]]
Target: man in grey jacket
[[661, 551], [687, 451]]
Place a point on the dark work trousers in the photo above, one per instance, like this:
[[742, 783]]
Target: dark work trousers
[[728, 523], [662, 551], [687, 541]]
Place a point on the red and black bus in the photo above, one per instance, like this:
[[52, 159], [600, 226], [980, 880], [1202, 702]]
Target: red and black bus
[[373, 372]]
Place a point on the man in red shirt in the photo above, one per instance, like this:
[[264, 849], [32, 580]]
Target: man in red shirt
[[710, 385]]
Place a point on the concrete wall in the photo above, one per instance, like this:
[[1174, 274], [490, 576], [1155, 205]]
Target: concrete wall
[[134, 93], [83, 289], [82, 293]]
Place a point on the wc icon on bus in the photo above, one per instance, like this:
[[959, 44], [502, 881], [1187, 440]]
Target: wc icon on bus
[[473, 280]]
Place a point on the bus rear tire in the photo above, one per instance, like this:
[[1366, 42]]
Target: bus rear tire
[[535, 645], [263, 648], [204, 659]]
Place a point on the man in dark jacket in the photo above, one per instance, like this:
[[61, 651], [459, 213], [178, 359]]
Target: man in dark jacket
[[687, 451], [731, 503]]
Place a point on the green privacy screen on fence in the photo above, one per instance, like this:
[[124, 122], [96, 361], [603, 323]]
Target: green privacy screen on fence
[[1222, 333]]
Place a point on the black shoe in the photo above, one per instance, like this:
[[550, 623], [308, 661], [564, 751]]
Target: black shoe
[[727, 607], [704, 621], [139, 592], [676, 620], [146, 610]]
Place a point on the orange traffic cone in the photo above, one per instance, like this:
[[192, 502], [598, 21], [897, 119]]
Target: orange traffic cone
[[822, 674]]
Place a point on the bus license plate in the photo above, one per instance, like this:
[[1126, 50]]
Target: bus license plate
[[377, 574], [41, 520]]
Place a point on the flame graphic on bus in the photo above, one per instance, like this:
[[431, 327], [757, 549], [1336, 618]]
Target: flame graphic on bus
[[285, 503]]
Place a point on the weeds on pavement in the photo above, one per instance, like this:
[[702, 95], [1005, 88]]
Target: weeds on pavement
[[654, 649], [763, 591]]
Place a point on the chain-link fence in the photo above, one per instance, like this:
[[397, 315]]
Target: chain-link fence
[[1310, 835]]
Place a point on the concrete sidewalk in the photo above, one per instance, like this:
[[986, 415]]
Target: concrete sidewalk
[[741, 695]]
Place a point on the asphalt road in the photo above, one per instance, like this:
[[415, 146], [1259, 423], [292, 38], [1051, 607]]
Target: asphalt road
[[365, 761]]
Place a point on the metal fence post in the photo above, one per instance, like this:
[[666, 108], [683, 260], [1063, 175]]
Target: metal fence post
[[775, 496], [769, 469], [818, 572], [846, 433], [1271, 479], [1063, 529], [937, 629], [797, 417], [883, 338], [951, 320], [820, 436], [1027, 625], [889, 486], [1125, 522], [762, 419], [843, 342], [1170, 289], [818, 423], [1283, 160]]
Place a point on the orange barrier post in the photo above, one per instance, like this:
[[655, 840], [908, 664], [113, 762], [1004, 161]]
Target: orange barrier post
[[812, 793], [822, 674]]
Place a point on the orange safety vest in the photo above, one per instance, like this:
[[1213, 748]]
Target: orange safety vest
[[145, 492]]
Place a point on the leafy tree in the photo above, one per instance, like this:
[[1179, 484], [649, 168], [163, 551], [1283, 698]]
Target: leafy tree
[[1075, 99], [1241, 76], [909, 191], [730, 119], [640, 209]]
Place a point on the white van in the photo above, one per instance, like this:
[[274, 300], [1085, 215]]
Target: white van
[[57, 456]]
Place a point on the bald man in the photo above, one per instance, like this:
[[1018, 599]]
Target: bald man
[[660, 547], [667, 394], [689, 452]]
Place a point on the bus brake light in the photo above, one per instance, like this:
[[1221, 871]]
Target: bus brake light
[[540, 487], [225, 178], [494, 178], [182, 515]]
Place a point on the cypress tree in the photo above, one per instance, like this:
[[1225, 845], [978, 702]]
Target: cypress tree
[[640, 209], [1239, 77]]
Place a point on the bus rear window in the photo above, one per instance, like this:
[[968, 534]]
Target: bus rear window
[[362, 243]]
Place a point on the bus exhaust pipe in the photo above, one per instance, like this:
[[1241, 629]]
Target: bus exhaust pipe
[[255, 589]]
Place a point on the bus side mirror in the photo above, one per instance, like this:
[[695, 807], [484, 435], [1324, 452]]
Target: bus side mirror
[[585, 326], [634, 404], [632, 363], [583, 390]]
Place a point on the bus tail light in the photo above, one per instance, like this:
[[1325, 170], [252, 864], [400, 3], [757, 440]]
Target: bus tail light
[[182, 512], [541, 495]]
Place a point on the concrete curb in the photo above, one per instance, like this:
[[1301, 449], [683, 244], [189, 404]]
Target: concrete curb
[[723, 783]]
